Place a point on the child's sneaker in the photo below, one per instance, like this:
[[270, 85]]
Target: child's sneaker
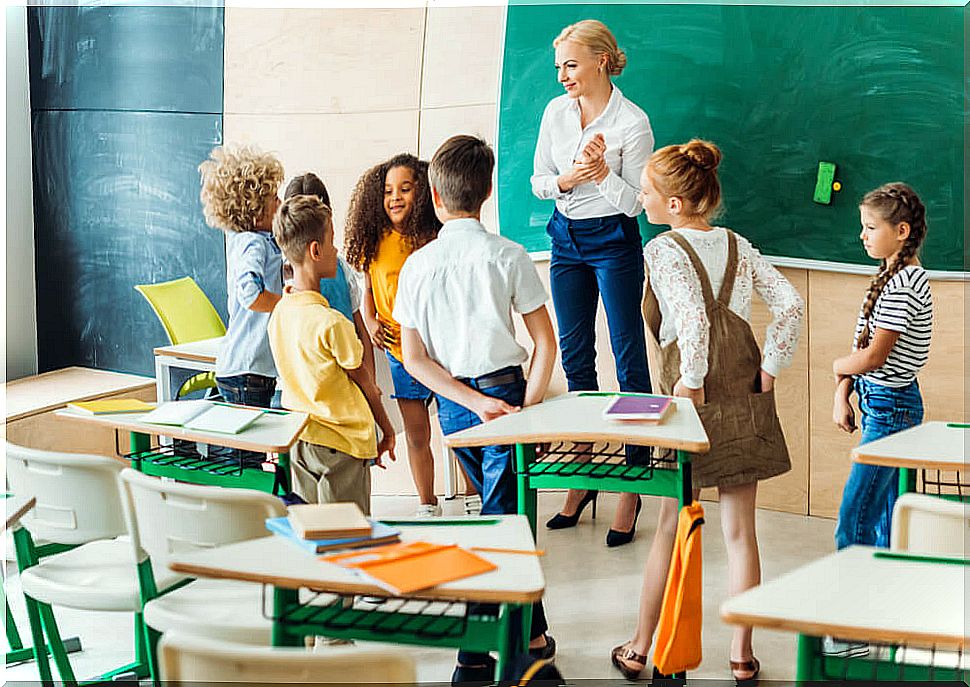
[[833, 646], [473, 504], [321, 643], [428, 510]]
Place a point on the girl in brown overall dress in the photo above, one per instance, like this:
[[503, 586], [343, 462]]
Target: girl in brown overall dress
[[697, 306]]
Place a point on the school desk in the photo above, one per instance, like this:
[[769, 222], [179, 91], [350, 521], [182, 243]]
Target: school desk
[[434, 617], [908, 606], [197, 356], [273, 432], [931, 446], [577, 417]]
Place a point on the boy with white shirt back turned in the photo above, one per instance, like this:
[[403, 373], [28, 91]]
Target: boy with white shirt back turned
[[454, 302]]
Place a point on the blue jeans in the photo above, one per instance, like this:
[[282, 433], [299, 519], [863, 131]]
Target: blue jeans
[[488, 467], [592, 258], [406, 387], [870, 492], [247, 390], [490, 470]]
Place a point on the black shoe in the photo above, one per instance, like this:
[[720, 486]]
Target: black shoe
[[561, 522], [545, 653], [474, 676], [617, 538]]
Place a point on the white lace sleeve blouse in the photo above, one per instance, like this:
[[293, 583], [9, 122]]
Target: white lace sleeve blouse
[[678, 291]]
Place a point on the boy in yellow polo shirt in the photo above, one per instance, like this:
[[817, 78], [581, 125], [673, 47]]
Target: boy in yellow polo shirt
[[318, 358]]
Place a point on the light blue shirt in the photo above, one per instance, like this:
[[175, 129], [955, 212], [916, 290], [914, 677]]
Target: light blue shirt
[[254, 263]]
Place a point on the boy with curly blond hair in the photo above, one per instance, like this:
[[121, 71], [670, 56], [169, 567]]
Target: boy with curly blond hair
[[239, 196]]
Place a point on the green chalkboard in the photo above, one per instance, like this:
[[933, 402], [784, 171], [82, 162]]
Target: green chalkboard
[[879, 91]]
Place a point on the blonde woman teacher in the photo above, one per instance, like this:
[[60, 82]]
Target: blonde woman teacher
[[593, 144]]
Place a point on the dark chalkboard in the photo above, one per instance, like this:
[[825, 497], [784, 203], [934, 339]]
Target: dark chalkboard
[[877, 90], [116, 198], [163, 59], [126, 102]]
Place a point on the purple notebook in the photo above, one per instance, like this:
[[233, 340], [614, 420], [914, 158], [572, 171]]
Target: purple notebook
[[649, 408]]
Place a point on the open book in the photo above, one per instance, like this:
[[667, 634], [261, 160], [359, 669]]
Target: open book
[[204, 416]]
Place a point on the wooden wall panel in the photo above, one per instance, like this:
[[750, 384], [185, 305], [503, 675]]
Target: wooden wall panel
[[462, 53], [441, 123], [323, 60], [337, 147], [789, 492], [835, 300]]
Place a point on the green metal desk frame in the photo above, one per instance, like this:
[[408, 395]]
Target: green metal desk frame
[[292, 621], [814, 666], [194, 471], [648, 479]]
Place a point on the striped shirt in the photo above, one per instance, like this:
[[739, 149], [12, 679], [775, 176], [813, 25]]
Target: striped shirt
[[905, 306]]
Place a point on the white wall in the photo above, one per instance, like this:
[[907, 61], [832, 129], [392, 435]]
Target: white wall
[[21, 334]]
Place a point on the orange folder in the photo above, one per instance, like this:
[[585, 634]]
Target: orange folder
[[411, 566]]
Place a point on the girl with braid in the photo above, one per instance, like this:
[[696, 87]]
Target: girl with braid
[[891, 346]]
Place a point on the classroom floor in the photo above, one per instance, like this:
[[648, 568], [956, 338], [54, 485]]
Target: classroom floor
[[591, 595]]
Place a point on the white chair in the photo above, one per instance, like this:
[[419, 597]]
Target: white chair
[[186, 660], [167, 518], [84, 562], [930, 525]]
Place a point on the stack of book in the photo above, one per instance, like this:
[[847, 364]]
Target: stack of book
[[329, 526]]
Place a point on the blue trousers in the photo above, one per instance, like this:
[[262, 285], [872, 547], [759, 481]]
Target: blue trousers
[[490, 470], [593, 258], [870, 492]]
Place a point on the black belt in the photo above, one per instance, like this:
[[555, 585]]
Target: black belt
[[504, 376]]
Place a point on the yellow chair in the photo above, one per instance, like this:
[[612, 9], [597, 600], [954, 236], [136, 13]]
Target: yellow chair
[[187, 315]]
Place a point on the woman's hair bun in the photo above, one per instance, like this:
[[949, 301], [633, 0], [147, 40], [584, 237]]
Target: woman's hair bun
[[703, 154], [617, 62]]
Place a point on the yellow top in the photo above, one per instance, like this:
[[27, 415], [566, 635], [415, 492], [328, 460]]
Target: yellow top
[[313, 346], [392, 251]]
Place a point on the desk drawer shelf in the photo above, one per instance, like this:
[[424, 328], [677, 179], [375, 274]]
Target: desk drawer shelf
[[602, 467], [411, 621], [221, 467], [887, 663], [945, 484]]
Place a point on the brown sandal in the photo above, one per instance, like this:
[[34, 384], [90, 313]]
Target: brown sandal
[[624, 653], [753, 666]]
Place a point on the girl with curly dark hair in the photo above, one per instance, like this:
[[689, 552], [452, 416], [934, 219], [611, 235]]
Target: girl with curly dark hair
[[390, 217]]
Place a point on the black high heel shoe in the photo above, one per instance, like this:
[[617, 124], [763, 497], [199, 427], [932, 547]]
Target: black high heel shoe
[[617, 538], [561, 522]]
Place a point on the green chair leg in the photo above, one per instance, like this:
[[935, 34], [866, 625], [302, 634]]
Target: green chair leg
[[37, 637], [57, 645], [13, 636], [151, 637]]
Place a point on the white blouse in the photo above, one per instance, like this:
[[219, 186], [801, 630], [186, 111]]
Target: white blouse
[[678, 291], [629, 142]]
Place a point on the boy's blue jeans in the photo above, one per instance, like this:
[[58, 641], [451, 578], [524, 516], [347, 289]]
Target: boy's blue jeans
[[490, 470], [870, 492]]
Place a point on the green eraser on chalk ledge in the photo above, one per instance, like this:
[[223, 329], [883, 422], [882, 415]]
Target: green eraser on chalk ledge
[[823, 184]]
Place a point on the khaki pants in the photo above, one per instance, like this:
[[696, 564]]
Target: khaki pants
[[326, 475]]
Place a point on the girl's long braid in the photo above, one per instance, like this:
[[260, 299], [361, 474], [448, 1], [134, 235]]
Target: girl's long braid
[[895, 203]]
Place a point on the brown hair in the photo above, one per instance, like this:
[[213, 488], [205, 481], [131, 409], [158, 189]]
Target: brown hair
[[599, 39], [300, 221], [237, 184], [367, 222], [461, 173], [894, 203], [689, 171], [308, 184]]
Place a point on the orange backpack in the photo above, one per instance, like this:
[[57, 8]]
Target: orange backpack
[[678, 642]]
